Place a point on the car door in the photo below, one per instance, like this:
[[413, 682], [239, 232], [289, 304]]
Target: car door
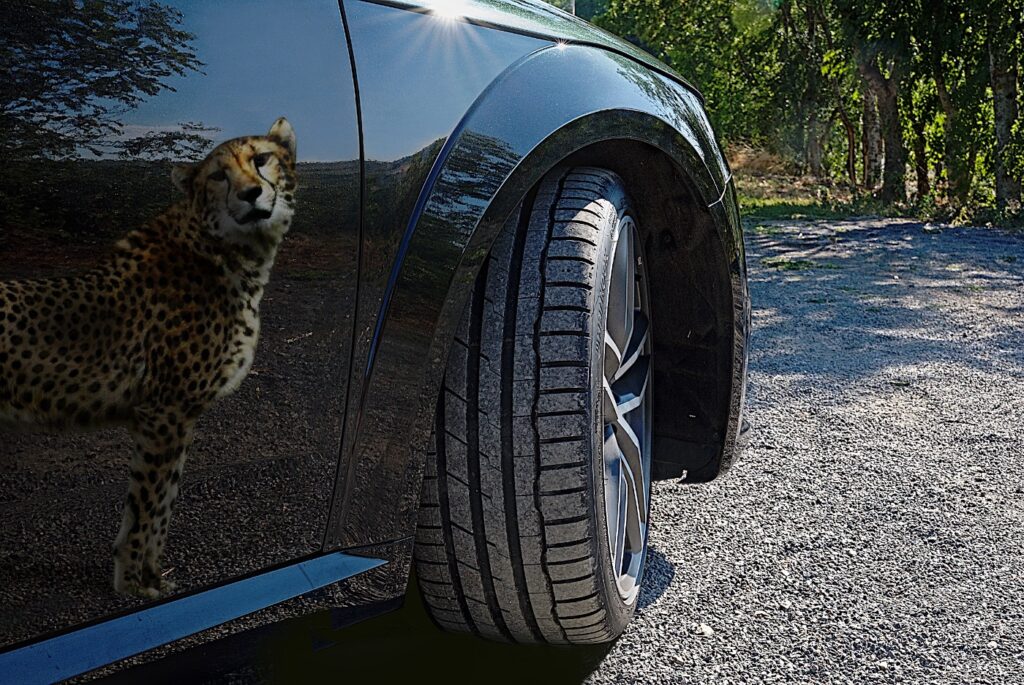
[[99, 100]]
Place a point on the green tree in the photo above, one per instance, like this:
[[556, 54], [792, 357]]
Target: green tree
[[567, 5], [936, 83], [732, 65], [588, 9], [1003, 44], [952, 44], [759, 66], [878, 36]]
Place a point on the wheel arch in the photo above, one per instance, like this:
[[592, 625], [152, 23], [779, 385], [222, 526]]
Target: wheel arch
[[686, 245], [693, 326], [622, 117]]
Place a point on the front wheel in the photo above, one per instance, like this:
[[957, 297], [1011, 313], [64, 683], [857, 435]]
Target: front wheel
[[534, 515]]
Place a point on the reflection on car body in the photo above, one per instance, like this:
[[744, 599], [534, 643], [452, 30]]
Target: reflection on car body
[[155, 333]]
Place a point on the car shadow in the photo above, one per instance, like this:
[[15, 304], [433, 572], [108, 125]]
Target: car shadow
[[402, 644], [405, 644]]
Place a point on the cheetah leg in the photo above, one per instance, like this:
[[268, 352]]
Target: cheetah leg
[[162, 439]]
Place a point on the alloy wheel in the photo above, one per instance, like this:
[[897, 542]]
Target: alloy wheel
[[627, 411]]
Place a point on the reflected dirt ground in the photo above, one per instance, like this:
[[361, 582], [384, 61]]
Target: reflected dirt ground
[[259, 455]]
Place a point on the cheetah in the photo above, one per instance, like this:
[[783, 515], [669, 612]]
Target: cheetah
[[155, 333]]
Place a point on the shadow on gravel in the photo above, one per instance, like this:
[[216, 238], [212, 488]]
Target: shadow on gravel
[[401, 646], [405, 644], [658, 576], [871, 292]]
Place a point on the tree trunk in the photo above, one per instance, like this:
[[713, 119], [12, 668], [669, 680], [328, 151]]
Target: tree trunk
[[812, 146], [886, 90], [817, 9], [851, 144], [958, 168], [920, 158], [872, 136], [938, 172], [1003, 74], [894, 171]]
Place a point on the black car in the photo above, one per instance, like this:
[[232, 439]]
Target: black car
[[511, 294]]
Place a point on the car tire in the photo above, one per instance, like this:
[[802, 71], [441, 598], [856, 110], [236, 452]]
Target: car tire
[[533, 528]]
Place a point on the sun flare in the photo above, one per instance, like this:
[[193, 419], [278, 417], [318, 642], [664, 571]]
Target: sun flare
[[447, 9]]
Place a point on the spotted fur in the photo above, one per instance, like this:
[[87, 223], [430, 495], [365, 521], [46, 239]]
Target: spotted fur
[[154, 334]]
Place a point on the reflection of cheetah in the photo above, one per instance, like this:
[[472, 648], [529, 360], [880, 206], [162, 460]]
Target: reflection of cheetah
[[156, 333]]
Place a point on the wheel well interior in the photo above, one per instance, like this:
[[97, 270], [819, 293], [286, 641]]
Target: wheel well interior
[[691, 307]]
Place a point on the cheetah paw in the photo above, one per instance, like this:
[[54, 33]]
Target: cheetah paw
[[143, 591], [151, 588]]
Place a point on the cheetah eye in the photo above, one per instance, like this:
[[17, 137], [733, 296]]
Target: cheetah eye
[[219, 175], [262, 159]]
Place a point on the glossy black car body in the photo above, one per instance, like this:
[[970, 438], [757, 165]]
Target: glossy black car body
[[425, 125]]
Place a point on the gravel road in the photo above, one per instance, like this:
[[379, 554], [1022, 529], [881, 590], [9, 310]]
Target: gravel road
[[874, 529]]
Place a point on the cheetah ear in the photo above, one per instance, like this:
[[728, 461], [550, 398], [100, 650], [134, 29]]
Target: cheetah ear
[[182, 175], [284, 134]]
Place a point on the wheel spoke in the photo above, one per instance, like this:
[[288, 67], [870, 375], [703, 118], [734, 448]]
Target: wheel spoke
[[612, 457], [612, 356], [630, 389], [610, 403], [636, 507], [632, 458], [635, 347], [615, 497], [618, 557], [622, 291]]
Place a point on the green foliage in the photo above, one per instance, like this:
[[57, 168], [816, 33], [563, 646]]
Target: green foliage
[[1015, 152], [588, 9], [701, 40], [793, 77], [567, 5]]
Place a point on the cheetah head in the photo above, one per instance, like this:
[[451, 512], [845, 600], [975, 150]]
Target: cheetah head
[[243, 192]]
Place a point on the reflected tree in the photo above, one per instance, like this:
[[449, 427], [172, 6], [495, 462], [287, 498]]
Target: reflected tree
[[72, 69], [189, 142], [471, 177]]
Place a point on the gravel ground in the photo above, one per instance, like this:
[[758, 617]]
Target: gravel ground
[[872, 532]]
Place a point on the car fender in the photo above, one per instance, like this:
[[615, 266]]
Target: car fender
[[543, 108]]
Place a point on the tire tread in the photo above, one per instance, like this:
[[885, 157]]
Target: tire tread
[[515, 477]]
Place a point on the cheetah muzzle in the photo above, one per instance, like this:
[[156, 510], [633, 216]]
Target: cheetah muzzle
[[158, 331]]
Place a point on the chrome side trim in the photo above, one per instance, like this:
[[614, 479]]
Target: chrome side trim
[[109, 641]]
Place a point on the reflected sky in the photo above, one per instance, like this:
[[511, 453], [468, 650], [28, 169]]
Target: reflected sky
[[289, 59], [263, 60], [419, 73]]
